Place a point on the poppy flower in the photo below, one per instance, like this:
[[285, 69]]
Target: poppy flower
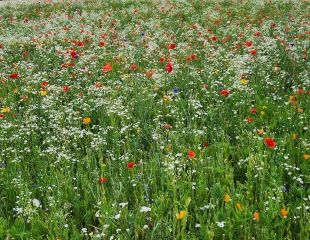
[[80, 44], [162, 59], [284, 213], [1, 116], [256, 216], [253, 52], [214, 38], [249, 120], [101, 43], [65, 88], [206, 144], [168, 126], [260, 131], [306, 156], [182, 214], [102, 180], [130, 165], [107, 68], [74, 54], [217, 21], [86, 120], [270, 142], [253, 110], [133, 67], [239, 206], [191, 154], [169, 67], [225, 92], [14, 75], [172, 46], [257, 34], [149, 74], [248, 44]]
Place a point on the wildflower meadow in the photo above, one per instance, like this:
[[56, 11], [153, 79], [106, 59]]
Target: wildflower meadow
[[129, 119]]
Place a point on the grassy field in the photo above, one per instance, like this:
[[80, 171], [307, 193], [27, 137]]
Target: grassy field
[[155, 120]]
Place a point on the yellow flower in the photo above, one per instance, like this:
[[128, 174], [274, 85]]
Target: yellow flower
[[6, 110], [43, 93], [306, 156], [244, 81], [227, 198], [166, 99], [294, 136], [256, 216], [182, 214], [169, 147], [86, 120], [262, 113]]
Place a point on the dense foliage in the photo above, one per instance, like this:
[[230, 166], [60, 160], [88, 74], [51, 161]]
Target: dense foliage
[[155, 120]]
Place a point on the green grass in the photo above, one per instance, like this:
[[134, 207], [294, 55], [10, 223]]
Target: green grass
[[63, 179]]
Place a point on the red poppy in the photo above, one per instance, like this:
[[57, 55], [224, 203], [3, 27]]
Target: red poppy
[[169, 67], [172, 46], [14, 75], [191, 154], [248, 44], [44, 85], [168, 126], [101, 43], [133, 67], [73, 54], [130, 165], [257, 34], [206, 144], [65, 88], [217, 21], [102, 180], [253, 52], [225, 92], [80, 44], [214, 38], [107, 68], [194, 56], [1, 116], [270, 142], [253, 110], [162, 59], [249, 120]]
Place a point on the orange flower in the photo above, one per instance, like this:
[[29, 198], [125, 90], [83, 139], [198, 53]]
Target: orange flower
[[306, 156], [238, 205], [294, 136], [191, 154], [256, 216], [107, 68], [284, 213], [260, 131], [227, 198], [300, 110], [86, 120]]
